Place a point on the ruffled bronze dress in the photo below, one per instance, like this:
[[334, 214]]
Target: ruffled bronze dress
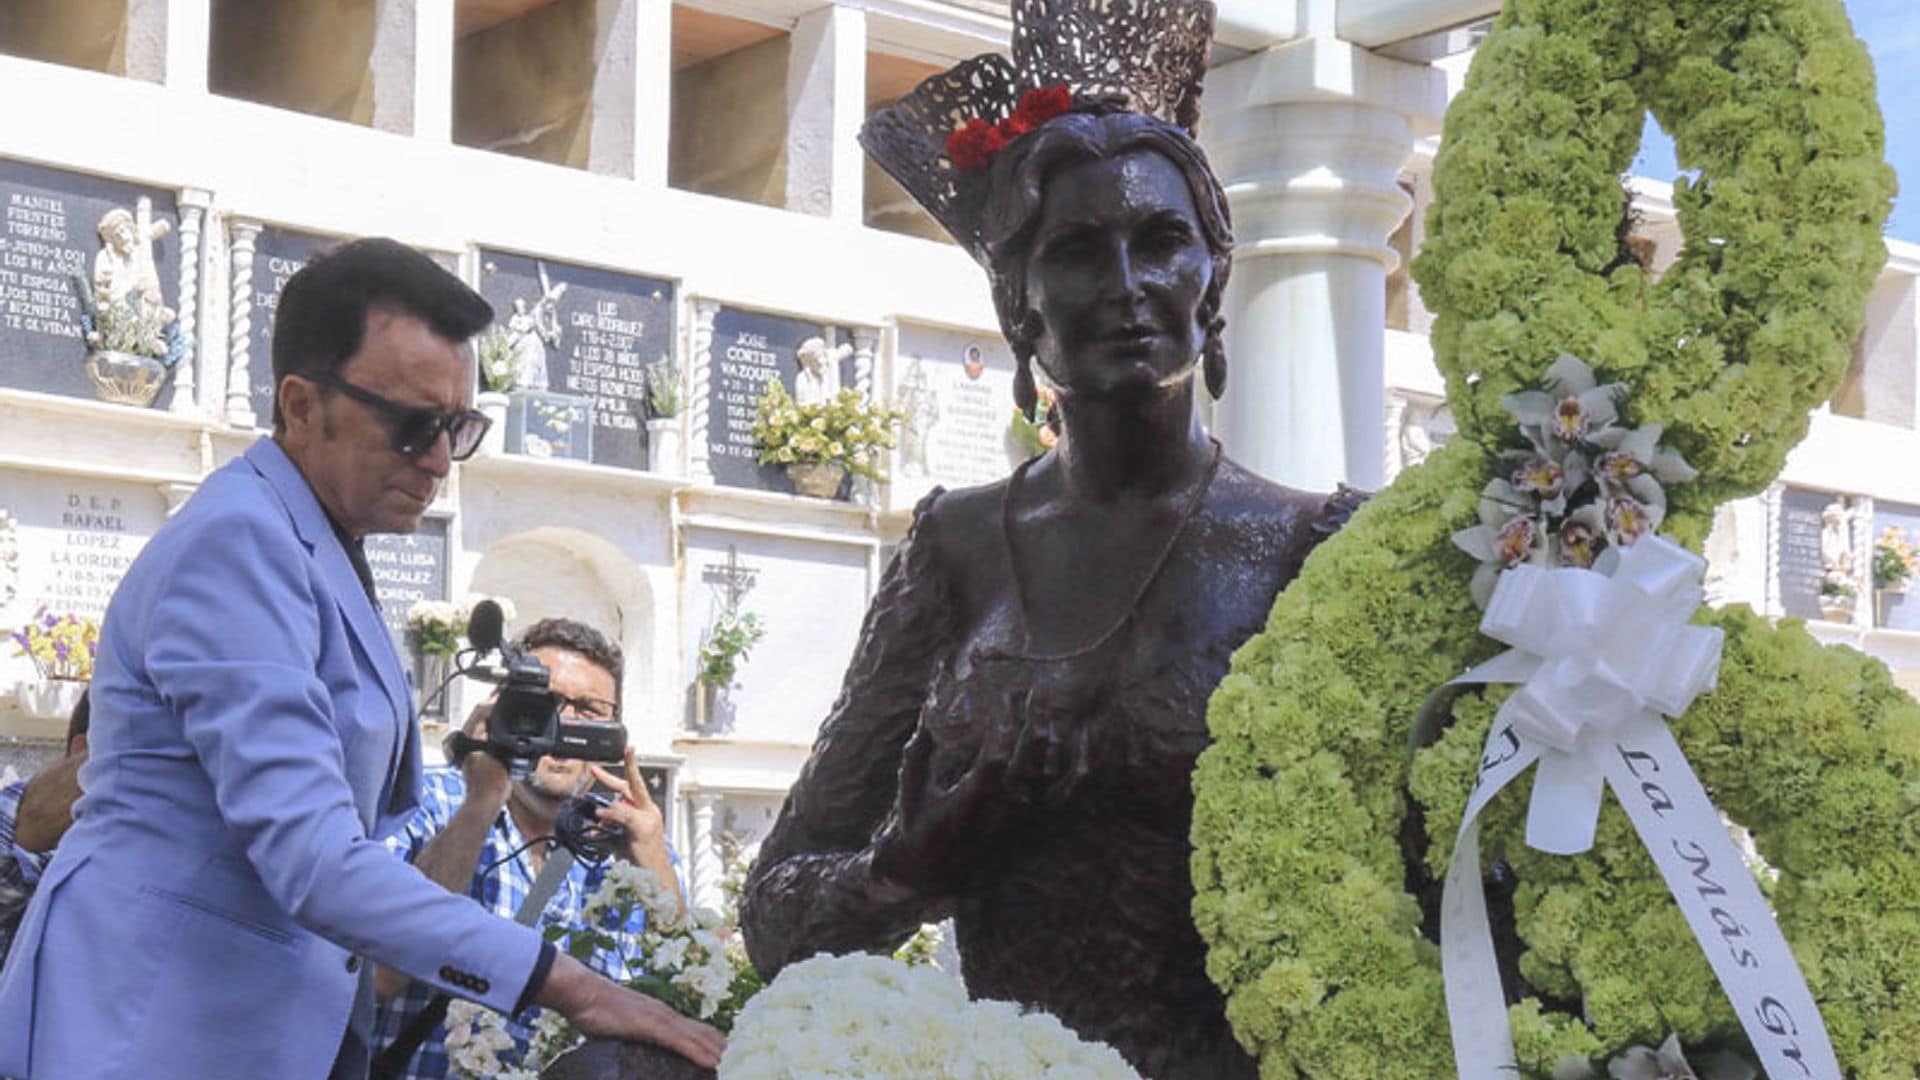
[[1086, 911]]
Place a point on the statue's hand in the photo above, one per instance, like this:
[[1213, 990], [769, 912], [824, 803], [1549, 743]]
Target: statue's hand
[[941, 837]]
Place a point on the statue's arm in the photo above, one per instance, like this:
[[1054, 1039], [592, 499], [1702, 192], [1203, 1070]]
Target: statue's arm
[[812, 888]]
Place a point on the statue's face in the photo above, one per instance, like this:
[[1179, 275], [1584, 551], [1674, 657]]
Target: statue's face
[[120, 235], [1117, 272]]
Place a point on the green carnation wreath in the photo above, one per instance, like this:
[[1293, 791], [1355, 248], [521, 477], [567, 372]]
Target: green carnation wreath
[[1320, 834]]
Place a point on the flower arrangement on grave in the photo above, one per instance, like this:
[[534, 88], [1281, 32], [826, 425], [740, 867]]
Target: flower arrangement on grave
[[1838, 587], [61, 646], [1331, 810], [665, 398], [1894, 561], [878, 1018], [130, 325], [498, 356], [846, 430], [692, 961], [1036, 433], [439, 626], [732, 636]]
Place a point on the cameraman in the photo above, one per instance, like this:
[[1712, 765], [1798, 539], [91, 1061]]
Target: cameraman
[[473, 823]]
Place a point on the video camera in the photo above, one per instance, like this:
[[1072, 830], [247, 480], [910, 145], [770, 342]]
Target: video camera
[[525, 724]]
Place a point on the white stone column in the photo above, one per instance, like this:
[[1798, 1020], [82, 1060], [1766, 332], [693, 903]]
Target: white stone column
[[866, 349], [1866, 614], [1309, 145], [632, 89], [706, 870], [167, 42], [1771, 603], [826, 103], [240, 325], [413, 68], [1396, 422], [700, 399], [193, 220]]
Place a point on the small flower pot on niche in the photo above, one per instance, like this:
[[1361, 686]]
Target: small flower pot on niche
[[494, 405], [818, 481], [49, 699], [663, 445], [126, 378]]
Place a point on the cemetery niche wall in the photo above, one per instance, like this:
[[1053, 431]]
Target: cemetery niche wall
[[67, 235], [278, 254], [807, 598], [264, 258], [72, 539], [1898, 528], [955, 388], [751, 349], [1800, 562], [581, 341]]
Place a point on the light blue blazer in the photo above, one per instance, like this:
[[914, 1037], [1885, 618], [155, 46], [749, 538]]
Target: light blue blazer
[[252, 736]]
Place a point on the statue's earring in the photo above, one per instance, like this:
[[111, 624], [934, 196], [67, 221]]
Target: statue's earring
[[1213, 363], [1025, 394]]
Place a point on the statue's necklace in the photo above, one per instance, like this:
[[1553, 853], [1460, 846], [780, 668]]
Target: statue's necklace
[[1194, 503]]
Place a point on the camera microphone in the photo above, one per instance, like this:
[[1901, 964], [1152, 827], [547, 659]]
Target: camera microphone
[[486, 627]]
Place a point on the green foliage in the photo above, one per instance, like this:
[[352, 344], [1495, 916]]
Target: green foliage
[[1300, 873], [129, 324], [498, 359], [732, 636], [848, 431], [664, 395]]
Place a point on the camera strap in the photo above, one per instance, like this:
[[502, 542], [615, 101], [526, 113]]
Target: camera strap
[[392, 1062]]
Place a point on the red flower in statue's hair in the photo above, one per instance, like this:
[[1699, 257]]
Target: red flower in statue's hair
[[973, 146], [1037, 106]]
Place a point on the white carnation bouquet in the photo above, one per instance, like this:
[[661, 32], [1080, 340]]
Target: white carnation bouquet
[[865, 1017], [688, 959]]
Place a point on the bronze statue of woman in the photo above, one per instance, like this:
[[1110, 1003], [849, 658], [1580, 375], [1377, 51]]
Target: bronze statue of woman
[[1014, 740]]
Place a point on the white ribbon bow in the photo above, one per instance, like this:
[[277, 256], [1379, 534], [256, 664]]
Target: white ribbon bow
[[1601, 656]]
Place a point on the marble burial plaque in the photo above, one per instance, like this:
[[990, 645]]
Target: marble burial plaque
[[1898, 611], [278, 255], [408, 568], [1799, 563], [52, 233], [75, 538], [750, 350], [587, 331], [956, 389]]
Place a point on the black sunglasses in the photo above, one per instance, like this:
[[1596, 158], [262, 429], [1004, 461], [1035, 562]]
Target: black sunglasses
[[414, 429]]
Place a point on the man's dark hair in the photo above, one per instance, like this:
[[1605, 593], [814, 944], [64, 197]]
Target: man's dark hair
[[323, 309], [576, 637], [80, 719]]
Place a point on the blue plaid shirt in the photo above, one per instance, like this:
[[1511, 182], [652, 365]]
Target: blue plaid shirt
[[499, 890], [19, 869]]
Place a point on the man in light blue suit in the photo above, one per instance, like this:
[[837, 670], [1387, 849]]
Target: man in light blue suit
[[213, 911]]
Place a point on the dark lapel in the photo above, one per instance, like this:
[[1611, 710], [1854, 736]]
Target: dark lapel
[[311, 524]]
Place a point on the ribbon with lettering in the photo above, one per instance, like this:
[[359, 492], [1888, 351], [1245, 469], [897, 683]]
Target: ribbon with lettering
[[1600, 657]]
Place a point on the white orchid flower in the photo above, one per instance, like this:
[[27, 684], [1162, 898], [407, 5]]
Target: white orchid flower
[[1570, 407], [1638, 464], [1628, 519], [1582, 537]]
